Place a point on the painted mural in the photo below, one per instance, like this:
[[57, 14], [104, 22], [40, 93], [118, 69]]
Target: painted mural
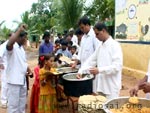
[[132, 21]]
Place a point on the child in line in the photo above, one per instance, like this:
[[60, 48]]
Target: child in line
[[34, 99], [74, 52], [47, 96], [57, 46]]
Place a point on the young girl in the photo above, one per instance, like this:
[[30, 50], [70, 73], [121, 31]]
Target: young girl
[[47, 97], [34, 99]]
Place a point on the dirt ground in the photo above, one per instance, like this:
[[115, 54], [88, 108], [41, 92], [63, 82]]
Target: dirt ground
[[32, 54]]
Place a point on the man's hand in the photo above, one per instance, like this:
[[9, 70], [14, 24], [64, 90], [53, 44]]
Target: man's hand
[[94, 70], [73, 65], [1, 66], [22, 27], [15, 36], [134, 91], [79, 76], [145, 87], [29, 72]]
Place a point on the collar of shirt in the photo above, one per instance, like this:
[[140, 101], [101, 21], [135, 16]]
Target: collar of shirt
[[90, 33], [107, 41], [47, 44]]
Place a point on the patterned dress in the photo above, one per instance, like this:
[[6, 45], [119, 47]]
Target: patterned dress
[[47, 97]]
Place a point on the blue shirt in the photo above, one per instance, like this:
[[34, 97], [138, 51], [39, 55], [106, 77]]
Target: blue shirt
[[45, 48], [65, 53]]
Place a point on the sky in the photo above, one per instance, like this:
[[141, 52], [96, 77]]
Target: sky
[[11, 10]]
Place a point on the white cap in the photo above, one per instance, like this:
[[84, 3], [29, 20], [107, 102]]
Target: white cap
[[71, 29]]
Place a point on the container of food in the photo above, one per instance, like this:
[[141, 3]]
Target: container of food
[[77, 87], [122, 103], [91, 104], [66, 70]]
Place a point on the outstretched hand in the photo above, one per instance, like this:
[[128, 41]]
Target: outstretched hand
[[134, 91], [145, 87]]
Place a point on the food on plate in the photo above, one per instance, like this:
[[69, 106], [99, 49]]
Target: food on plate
[[89, 103], [134, 100], [133, 106]]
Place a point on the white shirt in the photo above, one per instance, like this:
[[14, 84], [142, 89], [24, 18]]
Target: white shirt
[[74, 56], [148, 74], [3, 57], [89, 43], [17, 65], [74, 39], [109, 60]]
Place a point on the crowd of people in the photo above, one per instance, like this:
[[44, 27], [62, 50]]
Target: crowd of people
[[91, 48]]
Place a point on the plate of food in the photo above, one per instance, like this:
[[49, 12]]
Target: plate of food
[[127, 105], [66, 70]]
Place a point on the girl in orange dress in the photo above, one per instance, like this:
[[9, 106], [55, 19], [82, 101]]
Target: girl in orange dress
[[47, 96]]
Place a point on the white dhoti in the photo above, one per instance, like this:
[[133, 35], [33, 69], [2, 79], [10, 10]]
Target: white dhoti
[[17, 97]]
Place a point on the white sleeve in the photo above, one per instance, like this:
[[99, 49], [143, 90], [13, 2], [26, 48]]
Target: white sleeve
[[3, 48], [89, 63], [148, 70]]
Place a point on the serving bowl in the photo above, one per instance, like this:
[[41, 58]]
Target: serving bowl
[[77, 87], [120, 101]]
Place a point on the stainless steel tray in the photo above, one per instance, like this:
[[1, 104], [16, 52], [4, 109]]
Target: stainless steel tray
[[67, 70], [120, 101], [72, 77]]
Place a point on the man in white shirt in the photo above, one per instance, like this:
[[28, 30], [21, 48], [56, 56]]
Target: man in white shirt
[[79, 34], [74, 38], [17, 69], [143, 84], [105, 64], [3, 63], [88, 42]]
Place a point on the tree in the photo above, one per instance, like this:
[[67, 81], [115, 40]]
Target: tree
[[101, 9], [4, 31], [27, 19], [43, 14], [71, 10]]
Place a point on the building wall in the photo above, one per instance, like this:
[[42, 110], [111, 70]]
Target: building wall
[[136, 58]]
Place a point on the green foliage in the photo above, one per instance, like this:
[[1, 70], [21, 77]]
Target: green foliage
[[4, 31], [70, 12], [1, 23], [59, 15], [101, 9], [43, 14]]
